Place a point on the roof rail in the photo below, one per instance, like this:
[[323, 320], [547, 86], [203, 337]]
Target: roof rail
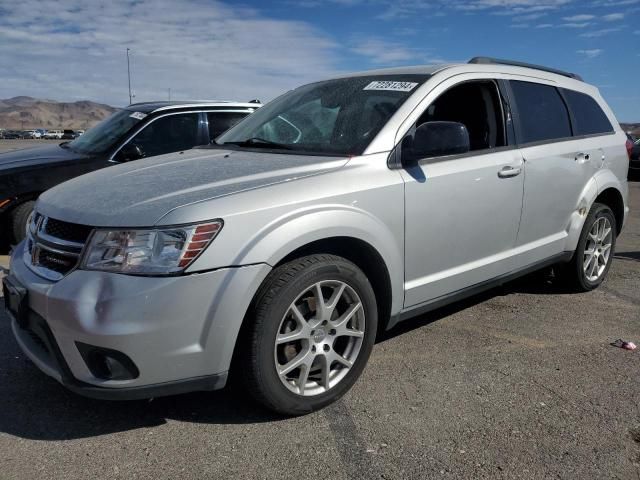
[[497, 61]]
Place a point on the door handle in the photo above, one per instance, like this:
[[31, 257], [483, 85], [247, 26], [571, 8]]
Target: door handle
[[507, 172], [583, 157]]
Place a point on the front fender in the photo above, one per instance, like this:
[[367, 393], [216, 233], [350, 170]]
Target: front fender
[[275, 240]]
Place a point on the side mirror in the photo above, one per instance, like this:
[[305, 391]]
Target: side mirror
[[436, 139], [130, 152]]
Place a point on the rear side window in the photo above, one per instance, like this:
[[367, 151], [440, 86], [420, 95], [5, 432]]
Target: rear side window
[[220, 122], [542, 113], [588, 117]]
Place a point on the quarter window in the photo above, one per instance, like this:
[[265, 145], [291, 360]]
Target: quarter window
[[588, 117], [542, 113]]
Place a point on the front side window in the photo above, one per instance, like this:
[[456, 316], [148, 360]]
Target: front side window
[[542, 113], [338, 117], [477, 106], [168, 134], [106, 134], [588, 117]]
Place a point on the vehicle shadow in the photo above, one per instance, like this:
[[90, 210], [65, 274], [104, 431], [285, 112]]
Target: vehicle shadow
[[633, 256], [33, 406], [38, 408], [543, 282]]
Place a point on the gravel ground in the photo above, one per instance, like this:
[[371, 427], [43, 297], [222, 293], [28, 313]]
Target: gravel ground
[[520, 382]]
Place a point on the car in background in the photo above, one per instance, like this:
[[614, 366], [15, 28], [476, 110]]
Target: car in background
[[53, 134], [633, 147], [79, 132], [68, 134], [137, 131], [11, 135], [31, 134]]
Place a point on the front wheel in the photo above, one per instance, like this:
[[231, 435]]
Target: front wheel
[[20, 219], [594, 254], [314, 326]]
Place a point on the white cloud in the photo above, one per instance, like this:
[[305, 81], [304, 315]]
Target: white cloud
[[600, 33], [613, 17], [579, 18], [576, 25], [382, 52], [544, 25], [593, 53], [200, 50]]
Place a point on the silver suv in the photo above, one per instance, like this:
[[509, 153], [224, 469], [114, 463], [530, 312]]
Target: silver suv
[[331, 214]]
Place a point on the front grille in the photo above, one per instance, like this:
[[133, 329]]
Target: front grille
[[53, 247], [56, 261], [66, 231]]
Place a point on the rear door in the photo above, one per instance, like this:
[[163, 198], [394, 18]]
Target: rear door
[[557, 169]]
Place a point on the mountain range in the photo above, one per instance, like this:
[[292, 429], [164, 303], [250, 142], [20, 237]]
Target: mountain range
[[20, 113]]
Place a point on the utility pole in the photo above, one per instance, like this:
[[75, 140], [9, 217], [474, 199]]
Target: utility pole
[[129, 76], [169, 94]]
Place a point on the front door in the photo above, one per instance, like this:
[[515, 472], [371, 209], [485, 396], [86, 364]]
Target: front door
[[463, 212]]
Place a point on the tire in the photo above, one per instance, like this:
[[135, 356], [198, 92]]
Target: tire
[[577, 271], [19, 218], [315, 342]]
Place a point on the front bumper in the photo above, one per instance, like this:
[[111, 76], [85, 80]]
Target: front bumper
[[180, 332]]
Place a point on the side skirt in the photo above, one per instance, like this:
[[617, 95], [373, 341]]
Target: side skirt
[[474, 289]]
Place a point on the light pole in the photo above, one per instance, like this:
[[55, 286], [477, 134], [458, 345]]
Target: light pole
[[169, 94], [129, 76]]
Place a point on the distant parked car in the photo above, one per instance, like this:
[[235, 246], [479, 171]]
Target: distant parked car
[[31, 134], [79, 132], [140, 130], [53, 134], [68, 135], [11, 134], [633, 147]]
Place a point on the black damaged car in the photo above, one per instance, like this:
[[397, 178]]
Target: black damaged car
[[137, 131]]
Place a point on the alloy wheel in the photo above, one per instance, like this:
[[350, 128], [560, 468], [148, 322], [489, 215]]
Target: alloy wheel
[[319, 338], [597, 249]]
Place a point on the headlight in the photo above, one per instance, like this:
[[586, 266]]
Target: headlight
[[148, 251]]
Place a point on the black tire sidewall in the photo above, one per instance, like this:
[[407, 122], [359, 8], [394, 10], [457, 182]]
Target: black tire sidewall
[[273, 391], [597, 211], [19, 217]]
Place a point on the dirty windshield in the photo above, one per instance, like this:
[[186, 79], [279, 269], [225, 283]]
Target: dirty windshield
[[339, 116]]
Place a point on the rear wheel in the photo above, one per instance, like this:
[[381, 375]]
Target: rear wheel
[[312, 334], [19, 219], [594, 254]]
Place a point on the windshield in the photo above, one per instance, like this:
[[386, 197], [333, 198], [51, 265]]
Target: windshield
[[333, 117], [101, 137]]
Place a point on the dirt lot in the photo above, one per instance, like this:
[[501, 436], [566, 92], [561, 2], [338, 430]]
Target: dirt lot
[[518, 383]]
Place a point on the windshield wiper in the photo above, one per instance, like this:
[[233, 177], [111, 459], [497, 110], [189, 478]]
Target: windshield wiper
[[258, 142]]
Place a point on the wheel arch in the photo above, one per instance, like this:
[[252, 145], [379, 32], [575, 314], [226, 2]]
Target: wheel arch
[[365, 257], [612, 198]]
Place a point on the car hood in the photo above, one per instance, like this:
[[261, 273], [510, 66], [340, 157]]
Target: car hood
[[37, 156], [141, 192]]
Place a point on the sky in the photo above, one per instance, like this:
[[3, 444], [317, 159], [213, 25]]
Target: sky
[[71, 50]]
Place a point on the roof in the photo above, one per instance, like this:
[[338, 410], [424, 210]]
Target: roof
[[148, 107], [476, 64]]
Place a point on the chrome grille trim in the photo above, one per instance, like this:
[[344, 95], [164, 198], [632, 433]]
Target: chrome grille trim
[[47, 256]]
